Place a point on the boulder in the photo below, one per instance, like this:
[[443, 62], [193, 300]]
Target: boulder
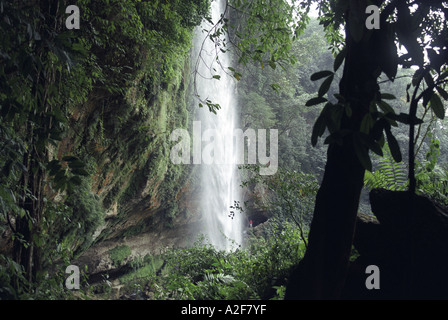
[[408, 240]]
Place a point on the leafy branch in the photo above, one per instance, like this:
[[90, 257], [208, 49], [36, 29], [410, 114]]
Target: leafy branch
[[430, 97], [389, 174]]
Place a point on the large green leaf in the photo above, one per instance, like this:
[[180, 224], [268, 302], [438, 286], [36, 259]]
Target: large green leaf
[[315, 101], [367, 123], [321, 74], [318, 129], [339, 59], [387, 109], [393, 145], [387, 96], [442, 92], [325, 86], [387, 52], [371, 144], [437, 106], [362, 152], [405, 118]]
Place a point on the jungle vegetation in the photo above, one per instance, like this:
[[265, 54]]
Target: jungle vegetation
[[356, 109]]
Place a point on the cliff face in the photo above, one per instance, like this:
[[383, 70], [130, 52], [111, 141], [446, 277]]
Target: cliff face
[[141, 196], [86, 116], [135, 197], [140, 193], [143, 201]]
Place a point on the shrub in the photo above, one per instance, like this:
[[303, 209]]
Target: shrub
[[258, 271], [119, 254]]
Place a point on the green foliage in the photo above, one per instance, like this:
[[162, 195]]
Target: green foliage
[[12, 276], [388, 174], [202, 272], [144, 269], [283, 108], [376, 124], [87, 216], [14, 284], [96, 88], [38, 56], [433, 184], [66, 173], [119, 254], [432, 180], [264, 33], [257, 111], [288, 196], [373, 126], [260, 33]]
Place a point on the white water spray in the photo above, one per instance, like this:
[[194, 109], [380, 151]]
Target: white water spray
[[219, 181]]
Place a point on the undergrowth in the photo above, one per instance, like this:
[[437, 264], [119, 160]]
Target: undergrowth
[[257, 271]]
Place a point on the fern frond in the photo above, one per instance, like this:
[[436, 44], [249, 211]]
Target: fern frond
[[388, 175]]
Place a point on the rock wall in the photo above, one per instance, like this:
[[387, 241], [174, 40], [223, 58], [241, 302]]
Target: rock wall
[[408, 241], [138, 197]]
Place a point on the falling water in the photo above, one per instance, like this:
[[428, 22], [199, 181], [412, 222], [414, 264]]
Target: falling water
[[219, 180]]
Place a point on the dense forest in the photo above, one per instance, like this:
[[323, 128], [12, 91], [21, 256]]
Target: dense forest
[[90, 94]]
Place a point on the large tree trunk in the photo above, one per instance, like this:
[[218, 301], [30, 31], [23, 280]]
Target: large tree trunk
[[322, 272]]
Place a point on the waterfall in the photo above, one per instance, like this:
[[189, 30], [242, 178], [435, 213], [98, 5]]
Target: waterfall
[[219, 180]]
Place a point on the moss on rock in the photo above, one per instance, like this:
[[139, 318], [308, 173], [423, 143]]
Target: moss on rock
[[119, 254]]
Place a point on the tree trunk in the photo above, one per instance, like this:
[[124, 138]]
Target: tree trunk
[[322, 272]]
